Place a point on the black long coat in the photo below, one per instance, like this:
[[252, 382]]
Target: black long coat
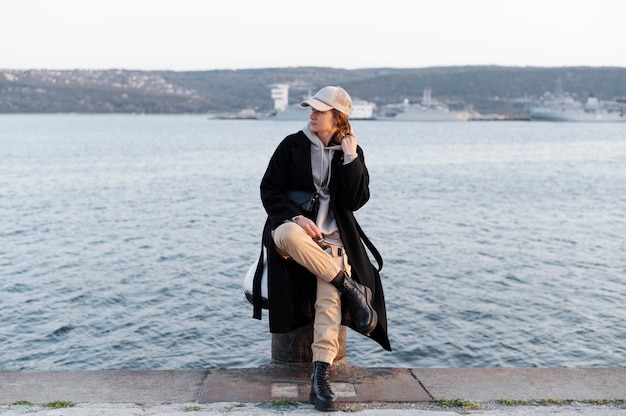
[[291, 287]]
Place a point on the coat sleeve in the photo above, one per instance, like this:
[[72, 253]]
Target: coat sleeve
[[286, 170], [353, 185]]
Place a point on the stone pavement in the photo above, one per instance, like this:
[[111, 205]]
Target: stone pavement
[[284, 390]]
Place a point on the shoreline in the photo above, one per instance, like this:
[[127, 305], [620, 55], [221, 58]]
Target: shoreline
[[285, 389]]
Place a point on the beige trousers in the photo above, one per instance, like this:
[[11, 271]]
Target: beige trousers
[[291, 241]]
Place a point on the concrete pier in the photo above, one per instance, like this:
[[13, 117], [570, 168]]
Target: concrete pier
[[382, 388]]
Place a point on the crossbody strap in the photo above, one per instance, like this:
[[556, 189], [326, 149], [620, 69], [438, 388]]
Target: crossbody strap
[[371, 247], [257, 297]]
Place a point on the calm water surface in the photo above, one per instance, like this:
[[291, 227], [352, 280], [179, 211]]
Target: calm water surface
[[124, 240]]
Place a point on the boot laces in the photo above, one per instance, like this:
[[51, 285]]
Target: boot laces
[[353, 296], [323, 382]]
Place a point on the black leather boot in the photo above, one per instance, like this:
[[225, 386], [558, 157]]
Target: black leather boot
[[359, 299], [321, 395]]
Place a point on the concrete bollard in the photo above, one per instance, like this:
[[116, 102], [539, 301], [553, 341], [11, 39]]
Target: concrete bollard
[[295, 347]]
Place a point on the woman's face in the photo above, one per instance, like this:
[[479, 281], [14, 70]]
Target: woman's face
[[322, 123]]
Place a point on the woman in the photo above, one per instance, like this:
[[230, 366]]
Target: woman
[[318, 268]]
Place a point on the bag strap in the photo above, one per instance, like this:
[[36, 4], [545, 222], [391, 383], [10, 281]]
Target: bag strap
[[257, 297], [370, 245]]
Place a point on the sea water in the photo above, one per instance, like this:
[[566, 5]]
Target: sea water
[[124, 240]]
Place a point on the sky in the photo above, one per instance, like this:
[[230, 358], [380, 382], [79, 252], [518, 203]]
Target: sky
[[190, 35]]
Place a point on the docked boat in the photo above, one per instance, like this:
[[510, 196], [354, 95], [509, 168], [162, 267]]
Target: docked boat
[[361, 109], [427, 110], [291, 112], [565, 108], [245, 114]]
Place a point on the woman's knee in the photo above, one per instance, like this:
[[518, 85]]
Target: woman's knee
[[287, 234]]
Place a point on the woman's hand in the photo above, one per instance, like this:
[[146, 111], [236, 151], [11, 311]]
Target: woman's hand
[[308, 226], [348, 144]]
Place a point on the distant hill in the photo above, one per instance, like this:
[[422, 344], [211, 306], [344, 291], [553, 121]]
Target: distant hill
[[486, 89]]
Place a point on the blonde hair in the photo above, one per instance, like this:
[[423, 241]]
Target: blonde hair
[[343, 126]]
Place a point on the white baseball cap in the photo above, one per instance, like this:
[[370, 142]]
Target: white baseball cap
[[330, 97]]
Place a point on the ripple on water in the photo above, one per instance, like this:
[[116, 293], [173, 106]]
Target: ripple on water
[[124, 241]]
